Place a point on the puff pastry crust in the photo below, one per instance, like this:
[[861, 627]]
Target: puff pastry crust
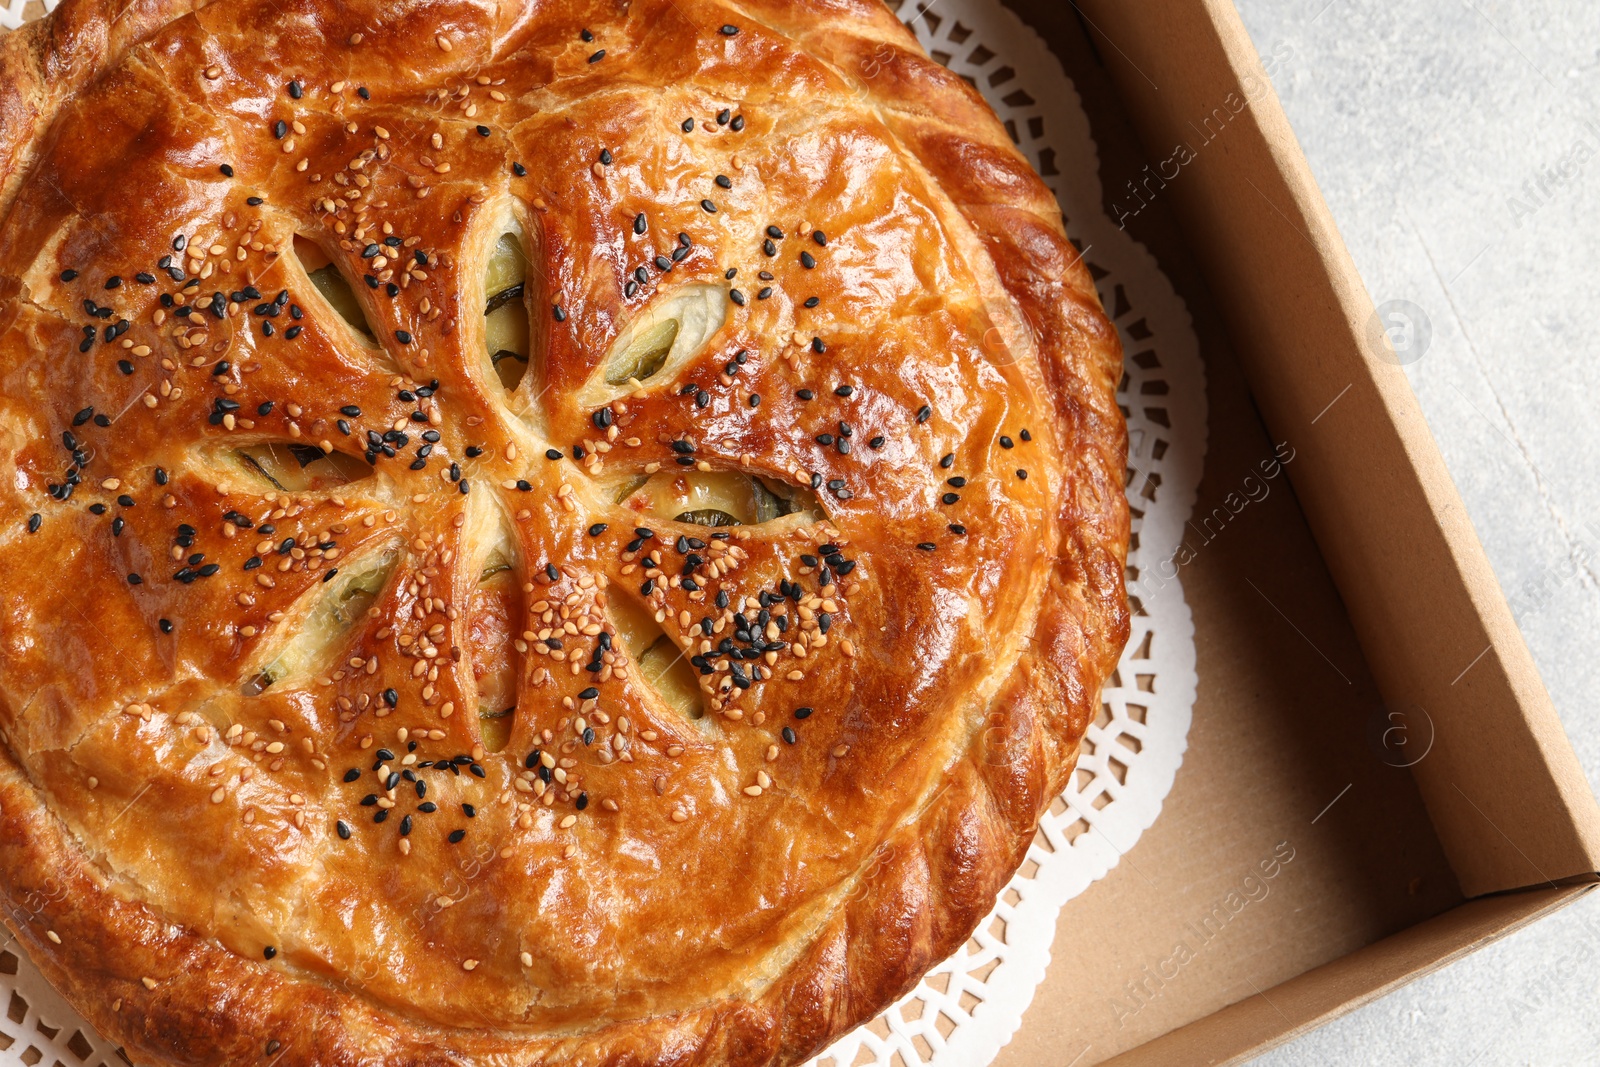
[[257, 802]]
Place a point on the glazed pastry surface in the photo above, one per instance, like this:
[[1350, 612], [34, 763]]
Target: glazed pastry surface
[[566, 532]]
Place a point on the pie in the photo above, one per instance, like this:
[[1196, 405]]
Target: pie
[[533, 533]]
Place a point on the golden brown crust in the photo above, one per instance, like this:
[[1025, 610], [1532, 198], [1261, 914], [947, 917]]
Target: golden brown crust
[[744, 887]]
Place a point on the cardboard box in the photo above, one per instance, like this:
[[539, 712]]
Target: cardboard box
[[1306, 861]]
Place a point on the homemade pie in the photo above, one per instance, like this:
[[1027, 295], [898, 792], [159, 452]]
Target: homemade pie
[[534, 533]]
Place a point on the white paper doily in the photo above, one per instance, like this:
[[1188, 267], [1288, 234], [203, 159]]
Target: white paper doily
[[962, 1013], [14, 13]]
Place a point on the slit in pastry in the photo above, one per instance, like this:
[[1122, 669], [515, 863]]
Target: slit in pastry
[[296, 467], [660, 663], [331, 284], [505, 323], [717, 498], [495, 621], [662, 338], [321, 637]]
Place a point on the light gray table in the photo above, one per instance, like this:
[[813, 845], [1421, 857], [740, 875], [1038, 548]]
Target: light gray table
[[1458, 145]]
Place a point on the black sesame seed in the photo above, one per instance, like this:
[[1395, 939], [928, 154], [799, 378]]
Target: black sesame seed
[[737, 297], [924, 413], [729, 31], [456, 836], [773, 231], [402, 336], [688, 125], [812, 301], [755, 400], [958, 529], [598, 56], [269, 952], [818, 345], [353, 774], [519, 170], [68, 275], [1006, 442], [789, 735], [724, 182], [227, 171], [802, 713], [483, 131], [927, 546], [586, 35], [583, 801], [947, 460], [807, 260], [597, 529], [254, 201], [279, 129], [559, 312], [708, 207], [34, 522], [405, 826], [1022, 474], [343, 829], [295, 90], [640, 223], [819, 237], [737, 124], [723, 116], [765, 292], [605, 157]]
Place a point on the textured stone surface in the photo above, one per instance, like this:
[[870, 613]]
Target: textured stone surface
[[1458, 145]]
